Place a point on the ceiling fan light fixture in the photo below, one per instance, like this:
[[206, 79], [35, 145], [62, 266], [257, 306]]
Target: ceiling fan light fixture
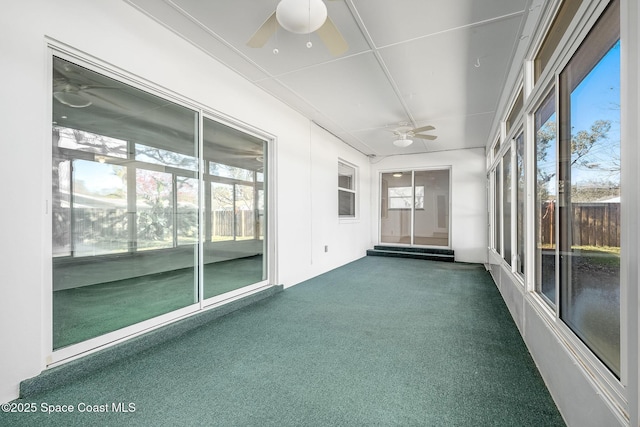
[[402, 142], [301, 17]]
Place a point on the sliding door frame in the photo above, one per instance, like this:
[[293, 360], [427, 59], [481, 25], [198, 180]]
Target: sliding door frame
[[412, 215], [51, 357]]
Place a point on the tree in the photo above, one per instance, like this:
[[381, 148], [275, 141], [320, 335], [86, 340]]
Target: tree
[[583, 143]]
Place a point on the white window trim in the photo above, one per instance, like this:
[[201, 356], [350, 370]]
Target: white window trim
[[354, 191]]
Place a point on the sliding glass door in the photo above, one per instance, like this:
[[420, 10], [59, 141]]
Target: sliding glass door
[[144, 222], [415, 208]]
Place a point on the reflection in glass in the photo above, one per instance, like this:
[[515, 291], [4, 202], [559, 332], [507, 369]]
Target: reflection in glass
[[99, 208], [154, 210], [121, 161], [498, 208], [234, 251], [506, 206], [415, 208], [187, 211], [431, 202], [545, 128], [222, 212], [520, 201], [589, 194], [395, 226]]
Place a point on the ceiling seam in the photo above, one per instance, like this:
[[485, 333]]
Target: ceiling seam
[[202, 26], [363, 29], [462, 27]]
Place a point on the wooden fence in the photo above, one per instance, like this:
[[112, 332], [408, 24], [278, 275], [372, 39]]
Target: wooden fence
[[594, 224]]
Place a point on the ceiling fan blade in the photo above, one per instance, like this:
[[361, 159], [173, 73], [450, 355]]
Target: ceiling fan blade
[[423, 129], [429, 137], [264, 33], [331, 37]]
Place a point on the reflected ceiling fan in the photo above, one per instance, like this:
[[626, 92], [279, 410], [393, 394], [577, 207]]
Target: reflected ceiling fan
[[405, 134], [301, 17], [73, 88]]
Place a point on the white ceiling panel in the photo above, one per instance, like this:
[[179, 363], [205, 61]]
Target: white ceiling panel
[[415, 61], [459, 72], [390, 22], [349, 91]]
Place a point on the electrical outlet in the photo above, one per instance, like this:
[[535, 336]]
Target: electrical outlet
[[326, 248]]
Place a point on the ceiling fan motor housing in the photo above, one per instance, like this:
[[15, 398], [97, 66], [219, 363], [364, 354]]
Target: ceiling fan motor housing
[[301, 16]]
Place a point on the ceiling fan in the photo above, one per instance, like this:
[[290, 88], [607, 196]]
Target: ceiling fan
[[405, 133], [301, 17]]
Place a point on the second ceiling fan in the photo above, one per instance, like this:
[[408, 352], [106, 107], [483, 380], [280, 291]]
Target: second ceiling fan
[[301, 17], [405, 134]]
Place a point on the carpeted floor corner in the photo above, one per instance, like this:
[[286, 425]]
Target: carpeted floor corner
[[380, 341]]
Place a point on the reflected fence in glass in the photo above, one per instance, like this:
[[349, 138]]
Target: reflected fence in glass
[[235, 247]]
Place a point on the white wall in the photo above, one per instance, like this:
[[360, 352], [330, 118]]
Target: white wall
[[115, 33], [468, 196]]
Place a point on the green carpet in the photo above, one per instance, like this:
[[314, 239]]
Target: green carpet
[[89, 311], [380, 341]]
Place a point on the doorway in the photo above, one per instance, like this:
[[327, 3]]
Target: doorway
[[415, 208]]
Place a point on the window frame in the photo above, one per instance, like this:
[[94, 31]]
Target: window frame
[[608, 384], [354, 191]]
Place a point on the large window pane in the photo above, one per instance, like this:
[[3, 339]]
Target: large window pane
[[546, 196], [121, 158], [497, 209], [234, 255], [520, 201], [589, 194], [506, 206]]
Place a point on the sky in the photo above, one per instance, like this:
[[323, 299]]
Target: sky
[[597, 97]]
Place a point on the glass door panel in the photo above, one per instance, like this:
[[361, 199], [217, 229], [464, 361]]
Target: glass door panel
[[235, 247], [431, 204], [118, 156], [396, 198], [415, 208]]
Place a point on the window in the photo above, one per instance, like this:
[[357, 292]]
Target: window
[[520, 204], [497, 208], [346, 190], [589, 190], [506, 206], [559, 26], [546, 196], [400, 197], [515, 110]]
